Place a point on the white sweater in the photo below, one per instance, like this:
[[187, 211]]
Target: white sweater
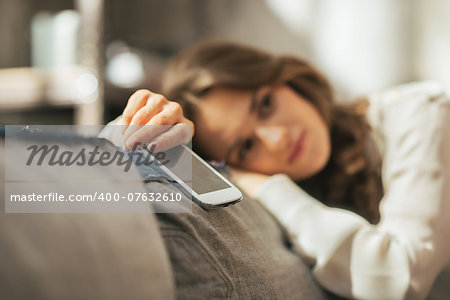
[[401, 256]]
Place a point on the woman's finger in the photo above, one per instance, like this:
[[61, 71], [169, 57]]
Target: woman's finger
[[135, 102], [171, 114], [154, 106], [144, 134], [178, 134]]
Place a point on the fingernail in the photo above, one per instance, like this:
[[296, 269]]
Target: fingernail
[[152, 147], [130, 144]]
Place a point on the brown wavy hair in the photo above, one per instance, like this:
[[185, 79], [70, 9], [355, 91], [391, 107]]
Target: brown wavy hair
[[351, 179]]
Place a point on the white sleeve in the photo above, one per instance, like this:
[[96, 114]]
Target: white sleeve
[[111, 132], [401, 256]]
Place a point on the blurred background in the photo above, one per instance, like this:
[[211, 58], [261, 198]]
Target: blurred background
[[77, 61]]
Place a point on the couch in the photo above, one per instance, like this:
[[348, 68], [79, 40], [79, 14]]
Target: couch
[[237, 252]]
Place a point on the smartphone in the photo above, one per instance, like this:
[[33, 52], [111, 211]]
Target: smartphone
[[207, 187]]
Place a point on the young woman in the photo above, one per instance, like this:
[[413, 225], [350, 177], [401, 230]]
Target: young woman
[[265, 115]]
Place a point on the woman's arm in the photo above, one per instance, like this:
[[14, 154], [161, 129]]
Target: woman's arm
[[400, 257]]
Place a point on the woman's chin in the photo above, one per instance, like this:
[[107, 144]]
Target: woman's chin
[[306, 172]]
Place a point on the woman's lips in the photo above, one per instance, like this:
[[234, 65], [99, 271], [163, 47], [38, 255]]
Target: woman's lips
[[298, 147]]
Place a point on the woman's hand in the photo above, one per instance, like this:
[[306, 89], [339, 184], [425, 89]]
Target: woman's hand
[[249, 182], [147, 108]]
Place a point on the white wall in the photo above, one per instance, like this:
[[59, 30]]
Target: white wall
[[432, 59], [362, 45]]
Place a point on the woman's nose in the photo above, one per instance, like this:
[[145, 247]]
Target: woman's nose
[[273, 137]]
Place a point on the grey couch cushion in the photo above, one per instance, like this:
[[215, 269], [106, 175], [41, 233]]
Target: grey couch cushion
[[82, 256], [237, 252]]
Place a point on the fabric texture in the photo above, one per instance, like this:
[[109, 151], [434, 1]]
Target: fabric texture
[[401, 256], [237, 252], [82, 256]]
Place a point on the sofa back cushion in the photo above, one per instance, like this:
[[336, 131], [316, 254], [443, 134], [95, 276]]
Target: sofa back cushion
[[82, 256]]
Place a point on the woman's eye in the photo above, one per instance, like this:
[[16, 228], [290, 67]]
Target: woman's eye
[[266, 105], [245, 149]]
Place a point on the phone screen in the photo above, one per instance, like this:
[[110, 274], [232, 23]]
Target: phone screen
[[193, 171], [204, 180]]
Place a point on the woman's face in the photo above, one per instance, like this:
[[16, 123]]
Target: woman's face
[[272, 130]]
